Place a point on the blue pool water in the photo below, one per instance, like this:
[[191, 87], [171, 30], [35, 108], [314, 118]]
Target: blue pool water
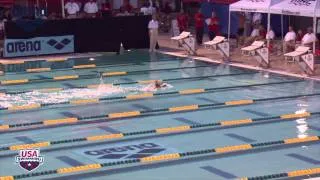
[[225, 83]]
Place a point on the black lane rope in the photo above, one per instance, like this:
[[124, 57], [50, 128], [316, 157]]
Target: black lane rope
[[91, 76], [150, 95], [241, 148], [135, 82], [167, 130], [131, 114]]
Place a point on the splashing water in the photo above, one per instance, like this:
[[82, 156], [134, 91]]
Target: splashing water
[[103, 90]]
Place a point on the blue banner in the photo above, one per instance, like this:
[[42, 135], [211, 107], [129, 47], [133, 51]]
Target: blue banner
[[38, 46]]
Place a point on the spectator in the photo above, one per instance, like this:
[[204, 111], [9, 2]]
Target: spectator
[[182, 21], [122, 12], [300, 35], [213, 26], [254, 35], [155, 5], [153, 32], [309, 38], [91, 9], [289, 41], [199, 24], [270, 35], [106, 9], [72, 9], [126, 7], [145, 8]]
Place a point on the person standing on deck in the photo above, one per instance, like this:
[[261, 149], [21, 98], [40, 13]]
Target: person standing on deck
[[153, 32], [213, 26], [182, 21], [199, 24]]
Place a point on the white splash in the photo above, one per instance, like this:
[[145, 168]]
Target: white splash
[[302, 125], [102, 90]]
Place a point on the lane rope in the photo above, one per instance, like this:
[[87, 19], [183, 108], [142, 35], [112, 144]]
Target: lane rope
[[165, 130], [290, 174], [123, 83], [137, 113], [244, 148], [80, 66], [88, 76], [133, 96]]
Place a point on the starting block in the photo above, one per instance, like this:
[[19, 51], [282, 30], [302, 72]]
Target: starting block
[[219, 43], [259, 51], [262, 57], [188, 42], [306, 63]]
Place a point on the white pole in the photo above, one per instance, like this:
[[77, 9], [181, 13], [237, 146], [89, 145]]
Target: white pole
[[62, 7], [315, 24], [282, 26], [268, 28], [314, 31], [229, 24]]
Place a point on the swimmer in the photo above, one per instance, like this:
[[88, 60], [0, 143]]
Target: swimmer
[[158, 84]]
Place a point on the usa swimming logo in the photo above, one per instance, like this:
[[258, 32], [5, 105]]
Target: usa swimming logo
[[29, 159]]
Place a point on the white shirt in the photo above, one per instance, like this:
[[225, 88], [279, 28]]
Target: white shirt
[[91, 7], [72, 8], [290, 36], [153, 24], [144, 10], [255, 32], [270, 35], [256, 17], [147, 10], [308, 38]]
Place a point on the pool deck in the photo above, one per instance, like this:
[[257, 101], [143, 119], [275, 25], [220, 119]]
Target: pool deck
[[167, 46], [277, 65]]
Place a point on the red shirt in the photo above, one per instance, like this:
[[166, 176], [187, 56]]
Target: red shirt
[[214, 25], [182, 22], [299, 36], [198, 17]]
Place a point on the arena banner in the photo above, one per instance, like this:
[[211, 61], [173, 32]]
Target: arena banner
[[38, 46], [90, 35]]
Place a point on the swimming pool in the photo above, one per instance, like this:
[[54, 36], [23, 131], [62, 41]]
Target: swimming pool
[[99, 119]]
